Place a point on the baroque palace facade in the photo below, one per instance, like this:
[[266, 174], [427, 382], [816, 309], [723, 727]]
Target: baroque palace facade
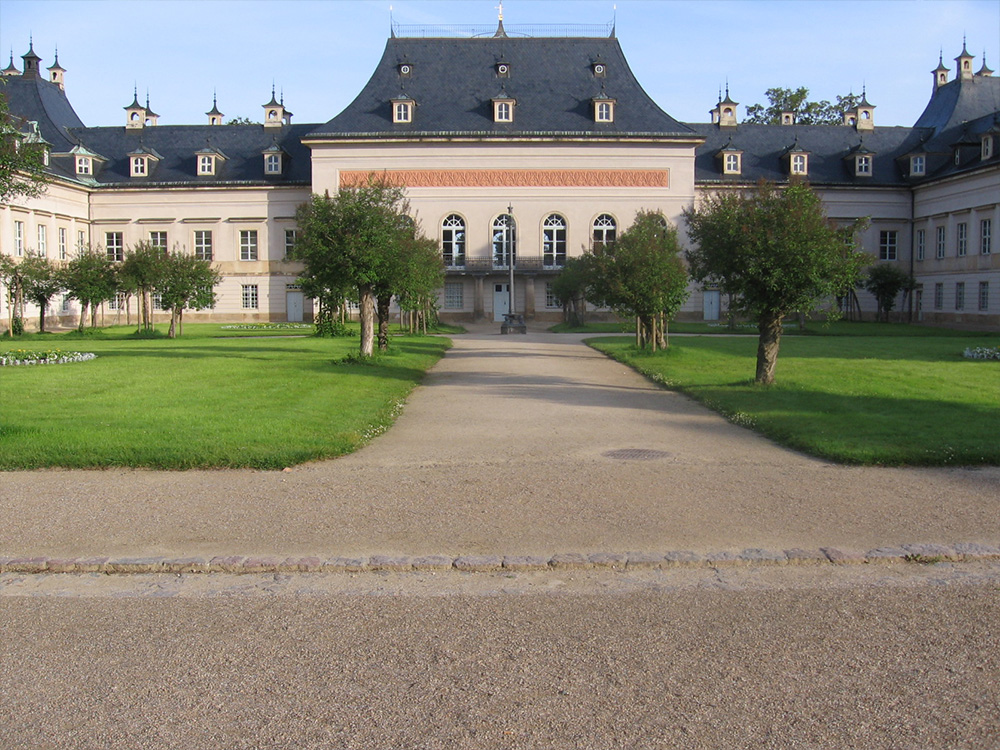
[[511, 149]]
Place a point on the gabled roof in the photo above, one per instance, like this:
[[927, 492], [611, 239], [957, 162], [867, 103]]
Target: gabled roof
[[453, 81]]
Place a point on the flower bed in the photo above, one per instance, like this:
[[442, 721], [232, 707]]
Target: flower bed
[[268, 327], [982, 352], [14, 357]]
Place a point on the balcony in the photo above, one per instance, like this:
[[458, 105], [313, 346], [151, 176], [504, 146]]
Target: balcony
[[522, 264]]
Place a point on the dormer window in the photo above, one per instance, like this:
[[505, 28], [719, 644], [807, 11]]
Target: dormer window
[[402, 110], [918, 165], [139, 166], [604, 110], [799, 164], [503, 70], [405, 70], [987, 147], [732, 163], [503, 110], [863, 165], [84, 165], [272, 163], [599, 69], [206, 164]]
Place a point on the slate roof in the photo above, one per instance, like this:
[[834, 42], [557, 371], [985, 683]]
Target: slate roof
[[177, 145], [453, 81], [34, 98]]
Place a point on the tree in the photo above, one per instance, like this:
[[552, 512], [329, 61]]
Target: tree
[[41, 283], [142, 272], [22, 159], [797, 101], [775, 252], [90, 279], [421, 274], [886, 281], [570, 288], [349, 241], [241, 121], [12, 277], [187, 282], [641, 274]]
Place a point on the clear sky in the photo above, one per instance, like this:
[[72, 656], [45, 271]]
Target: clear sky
[[321, 53]]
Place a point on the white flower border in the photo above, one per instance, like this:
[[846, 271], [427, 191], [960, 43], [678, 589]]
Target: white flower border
[[25, 357], [982, 352]]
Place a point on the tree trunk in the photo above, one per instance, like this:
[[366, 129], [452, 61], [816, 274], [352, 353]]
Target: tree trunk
[[41, 318], [366, 316], [382, 310], [172, 332], [664, 332], [83, 315], [93, 316], [767, 347]]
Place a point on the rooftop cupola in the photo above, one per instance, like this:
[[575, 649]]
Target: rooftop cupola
[[31, 61], [151, 116], [56, 72], [862, 115], [274, 112], [135, 113], [964, 64], [940, 73], [12, 69], [214, 115], [724, 114], [984, 72]]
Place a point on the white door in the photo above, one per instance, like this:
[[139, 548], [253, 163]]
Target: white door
[[711, 304], [293, 306], [501, 301]]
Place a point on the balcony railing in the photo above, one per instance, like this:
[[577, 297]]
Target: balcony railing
[[522, 264]]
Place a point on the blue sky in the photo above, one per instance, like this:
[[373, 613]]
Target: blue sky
[[322, 53]]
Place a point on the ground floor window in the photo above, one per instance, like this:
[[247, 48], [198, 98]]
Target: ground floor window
[[887, 243], [938, 296], [454, 295], [249, 296], [984, 296], [960, 295], [921, 243], [550, 296], [157, 302]]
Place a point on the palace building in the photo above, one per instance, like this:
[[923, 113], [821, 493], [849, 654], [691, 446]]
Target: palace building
[[513, 150]]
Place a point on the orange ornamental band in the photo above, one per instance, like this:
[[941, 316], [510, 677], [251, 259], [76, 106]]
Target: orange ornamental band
[[474, 178]]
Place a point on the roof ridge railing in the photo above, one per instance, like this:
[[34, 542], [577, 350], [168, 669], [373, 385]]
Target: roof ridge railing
[[511, 30]]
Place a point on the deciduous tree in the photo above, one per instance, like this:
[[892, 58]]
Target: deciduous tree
[[41, 283], [90, 279], [885, 281], [797, 101], [187, 282], [775, 252]]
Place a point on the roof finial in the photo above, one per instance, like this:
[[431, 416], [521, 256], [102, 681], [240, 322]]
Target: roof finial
[[281, 101], [499, 9]]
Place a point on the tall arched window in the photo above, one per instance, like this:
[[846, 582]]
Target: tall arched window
[[554, 241], [605, 229], [504, 241], [453, 241]]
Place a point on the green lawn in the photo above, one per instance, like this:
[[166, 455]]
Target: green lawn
[[812, 328], [888, 400], [201, 401]]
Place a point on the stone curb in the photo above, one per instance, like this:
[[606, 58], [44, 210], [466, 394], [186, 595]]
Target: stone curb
[[566, 561]]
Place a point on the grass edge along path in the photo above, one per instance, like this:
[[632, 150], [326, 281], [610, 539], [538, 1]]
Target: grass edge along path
[[205, 402], [865, 401]]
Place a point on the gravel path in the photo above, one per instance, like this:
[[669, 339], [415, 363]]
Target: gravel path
[[520, 446]]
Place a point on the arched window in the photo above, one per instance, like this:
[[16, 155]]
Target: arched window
[[504, 241], [554, 241], [453, 241], [605, 230]]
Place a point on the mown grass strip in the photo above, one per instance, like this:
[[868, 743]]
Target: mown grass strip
[[204, 402], [893, 401]]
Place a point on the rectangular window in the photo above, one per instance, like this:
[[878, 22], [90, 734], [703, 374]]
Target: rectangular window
[[206, 164], [605, 112], [138, 166], [940, 241], [291, 235], [887, 244], [83, 165], [960, 295], [115, 246], [272, 164], [938, 296], [864, 165], [248, 244], [799, 164], [203, 244], [63, 242], [917, 165], [963, 239], [81, 239], [402, 112], [987, 151], [43, 240], [502, 112], [454, 295], [157, 301], [249, 296], [985, 236], [984, 296], [550, 297], [67, 303], [18, 238], [733, 164], [117, 302], [921, 243], [159, 241]]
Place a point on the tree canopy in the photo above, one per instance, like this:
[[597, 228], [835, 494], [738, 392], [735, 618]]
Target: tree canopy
[[775, 252], [885, 281], [187, 282], [42, 282], [90, 279], [797, 101]]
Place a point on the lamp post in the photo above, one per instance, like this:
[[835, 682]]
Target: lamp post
[[510, 258]]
